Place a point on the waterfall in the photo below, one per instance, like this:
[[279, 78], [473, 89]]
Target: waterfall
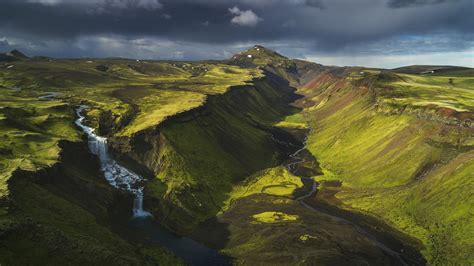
[[116, 174]]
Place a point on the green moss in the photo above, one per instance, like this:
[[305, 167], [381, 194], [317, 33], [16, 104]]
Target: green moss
[[307, 237], [158, 255], [297, 121], [276, 181], [274, 217], [30, 132]]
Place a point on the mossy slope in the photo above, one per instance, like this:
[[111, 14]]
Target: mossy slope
[[403, 152], [198, 155]]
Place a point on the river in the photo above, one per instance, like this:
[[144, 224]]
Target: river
[[296, 159], [122, 178]]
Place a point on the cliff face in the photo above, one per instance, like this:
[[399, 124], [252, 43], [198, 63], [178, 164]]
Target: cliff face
[[197, 155], [70, 211]]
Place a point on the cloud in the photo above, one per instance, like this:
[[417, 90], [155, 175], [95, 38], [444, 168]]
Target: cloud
[[394, 61], [45, 2], [116, 4], [244, 17], [344, 28], [315, 3], [411, 3], [5, 45], [125, 4]]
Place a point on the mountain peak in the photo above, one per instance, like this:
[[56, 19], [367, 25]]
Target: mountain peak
[[17, 54], [258, 55]]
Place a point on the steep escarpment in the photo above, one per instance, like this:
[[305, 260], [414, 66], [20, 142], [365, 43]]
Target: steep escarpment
[[68, 214], [403, 150], [197, 155]]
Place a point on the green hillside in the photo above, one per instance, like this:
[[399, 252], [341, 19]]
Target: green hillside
[[402, 146]]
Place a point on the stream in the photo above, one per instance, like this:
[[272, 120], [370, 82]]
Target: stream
[[292, 166], [117, 175], [122, 178]]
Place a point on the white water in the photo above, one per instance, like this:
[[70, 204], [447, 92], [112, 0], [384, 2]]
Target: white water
[[49, 95], [117, 175]]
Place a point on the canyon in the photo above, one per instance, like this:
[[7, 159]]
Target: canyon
[[257, 159]]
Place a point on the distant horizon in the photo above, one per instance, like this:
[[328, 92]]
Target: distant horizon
[[327, 61], [369, 33]]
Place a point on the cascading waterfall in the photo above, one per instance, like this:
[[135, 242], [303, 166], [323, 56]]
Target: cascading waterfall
[[117, 175]]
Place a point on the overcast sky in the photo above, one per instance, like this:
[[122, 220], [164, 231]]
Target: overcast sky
[[377, 33]]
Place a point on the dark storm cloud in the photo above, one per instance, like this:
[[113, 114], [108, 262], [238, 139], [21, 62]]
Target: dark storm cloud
[[315, 3], [410, 3], [298, 27]]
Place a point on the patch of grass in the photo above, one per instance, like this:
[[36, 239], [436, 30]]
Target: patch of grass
[[276, 181], [274, 217], [307, 237], [294, 121], [454, 92]]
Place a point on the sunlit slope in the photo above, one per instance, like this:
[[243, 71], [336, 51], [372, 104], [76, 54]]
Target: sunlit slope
[[63, 187], [125, 96], [30, 131], [402, 145]]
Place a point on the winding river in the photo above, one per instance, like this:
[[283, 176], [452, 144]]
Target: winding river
[[292, 167]]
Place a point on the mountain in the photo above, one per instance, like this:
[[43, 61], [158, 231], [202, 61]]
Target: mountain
[[258, 56], [428, 69], [13, 55], [17, 54], [265, 158]]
